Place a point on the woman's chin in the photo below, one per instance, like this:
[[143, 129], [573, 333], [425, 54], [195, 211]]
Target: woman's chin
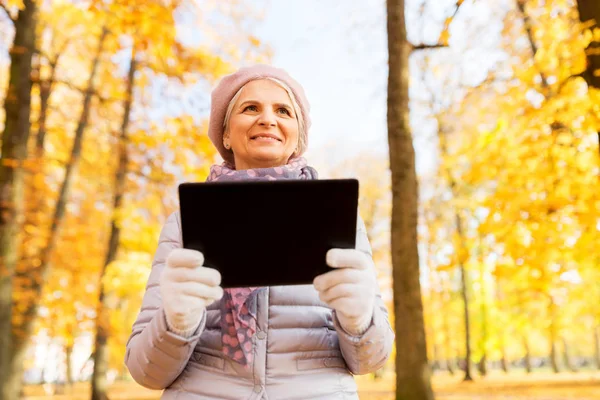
[[267, 154], [270, 158]]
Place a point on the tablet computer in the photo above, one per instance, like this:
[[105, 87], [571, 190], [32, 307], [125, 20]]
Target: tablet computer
[[268, 233]]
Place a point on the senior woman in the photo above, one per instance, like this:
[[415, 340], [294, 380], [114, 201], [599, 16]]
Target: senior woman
[[198, 341]]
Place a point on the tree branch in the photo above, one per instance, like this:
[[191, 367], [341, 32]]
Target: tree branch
[[427, 46], [534, 48], [83, 91], [459, 3], [567, 80]]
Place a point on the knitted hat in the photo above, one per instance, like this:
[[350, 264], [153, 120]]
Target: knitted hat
[[229, 86]]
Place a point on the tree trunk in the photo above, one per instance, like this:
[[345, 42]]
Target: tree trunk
[[527, 354], [503, 331], [554, 357], [463, 281], [503, 360], [553, 351], [36, 211], [413, 374], [46, 86], [567, 356], [430, 308], [450, 354], [15, 370], [69, 364], [482, 365], [597, 345], [462, 251], [450, 365], [590, 10], [99, 384], [17, 103], [36, 276], [484, 325], [438, 360]]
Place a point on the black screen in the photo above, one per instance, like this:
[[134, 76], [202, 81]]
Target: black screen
[[268, 233]]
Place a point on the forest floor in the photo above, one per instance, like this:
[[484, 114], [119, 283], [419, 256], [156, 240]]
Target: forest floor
[[495, 386]]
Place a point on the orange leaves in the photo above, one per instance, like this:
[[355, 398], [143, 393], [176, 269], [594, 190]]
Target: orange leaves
[[524, 157], [13, 4], [444, 38], [374, 207], [128, 275], [254, 41], [166, 143]]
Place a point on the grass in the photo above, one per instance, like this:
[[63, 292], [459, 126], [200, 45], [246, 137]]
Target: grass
[[496, 386]]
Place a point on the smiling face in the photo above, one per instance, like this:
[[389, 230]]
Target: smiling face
[[262, 130]]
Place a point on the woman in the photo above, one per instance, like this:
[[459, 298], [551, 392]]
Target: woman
[[290, 342]]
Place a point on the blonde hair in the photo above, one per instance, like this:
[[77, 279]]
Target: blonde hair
[[302, 138]]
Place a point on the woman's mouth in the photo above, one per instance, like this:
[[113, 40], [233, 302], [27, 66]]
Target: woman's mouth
[[265, 138]]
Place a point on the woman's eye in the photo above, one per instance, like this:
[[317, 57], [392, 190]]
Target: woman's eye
[[284, 111], [250, 108]]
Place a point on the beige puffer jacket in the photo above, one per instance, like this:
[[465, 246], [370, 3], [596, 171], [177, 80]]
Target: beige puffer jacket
[[300, 350]]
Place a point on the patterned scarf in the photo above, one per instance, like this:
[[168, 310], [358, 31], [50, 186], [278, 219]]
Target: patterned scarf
[[238, 306]]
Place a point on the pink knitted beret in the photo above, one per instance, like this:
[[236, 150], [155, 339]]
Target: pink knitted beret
[[228, 87]]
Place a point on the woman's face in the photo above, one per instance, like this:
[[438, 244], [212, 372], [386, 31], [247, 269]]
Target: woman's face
[[263, 128]]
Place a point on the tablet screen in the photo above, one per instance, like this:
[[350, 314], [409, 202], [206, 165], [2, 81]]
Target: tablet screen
[[268, 233]]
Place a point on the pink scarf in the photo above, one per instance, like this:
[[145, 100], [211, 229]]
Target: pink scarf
[[238, 306]]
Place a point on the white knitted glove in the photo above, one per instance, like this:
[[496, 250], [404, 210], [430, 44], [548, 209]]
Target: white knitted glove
[[186, 288], [349, 290]]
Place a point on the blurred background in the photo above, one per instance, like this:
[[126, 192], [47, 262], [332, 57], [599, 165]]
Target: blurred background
[[104, 108]]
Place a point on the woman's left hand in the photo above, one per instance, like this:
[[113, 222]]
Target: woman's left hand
[[350, 290]]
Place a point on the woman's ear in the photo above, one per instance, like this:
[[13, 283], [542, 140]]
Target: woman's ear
[[226, 142]]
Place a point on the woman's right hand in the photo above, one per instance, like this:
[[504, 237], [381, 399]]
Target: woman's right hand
[[186, 288]]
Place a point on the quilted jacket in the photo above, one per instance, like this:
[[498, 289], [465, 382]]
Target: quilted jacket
[[300, 349]]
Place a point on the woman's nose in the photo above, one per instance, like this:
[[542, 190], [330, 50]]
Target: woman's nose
[[267, 118]]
